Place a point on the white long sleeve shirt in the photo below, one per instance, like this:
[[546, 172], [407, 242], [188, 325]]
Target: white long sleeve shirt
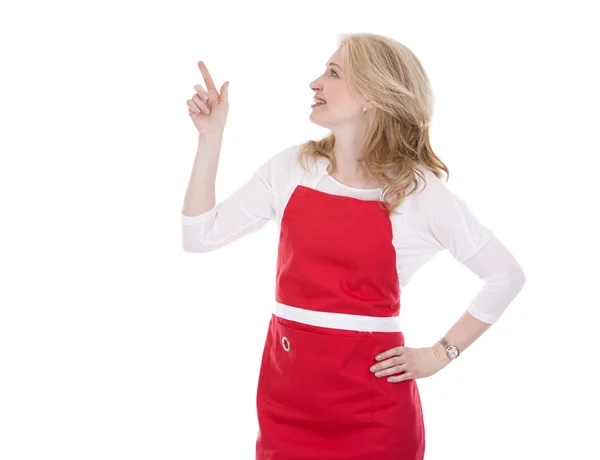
[[430, 220]]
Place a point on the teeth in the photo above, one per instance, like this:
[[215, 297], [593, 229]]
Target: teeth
[[319, 102]]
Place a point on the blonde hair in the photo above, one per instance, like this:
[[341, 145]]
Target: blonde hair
[[396, 142]]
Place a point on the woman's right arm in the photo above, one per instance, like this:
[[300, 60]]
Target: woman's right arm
[[200, 194], [207, 226]]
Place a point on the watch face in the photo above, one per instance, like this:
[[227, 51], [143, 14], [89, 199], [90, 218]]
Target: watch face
[[452, 351]]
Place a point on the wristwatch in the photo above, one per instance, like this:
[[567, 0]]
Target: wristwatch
[[451, 350]]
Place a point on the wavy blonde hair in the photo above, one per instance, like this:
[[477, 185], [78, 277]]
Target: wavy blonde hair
[[396, 142]]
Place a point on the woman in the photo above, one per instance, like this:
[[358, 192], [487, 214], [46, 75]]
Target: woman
[[355, 223]]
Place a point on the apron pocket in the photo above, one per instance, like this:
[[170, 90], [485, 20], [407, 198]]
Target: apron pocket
[[317, 373]]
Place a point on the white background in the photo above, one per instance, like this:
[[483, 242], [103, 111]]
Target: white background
[[117, 344]]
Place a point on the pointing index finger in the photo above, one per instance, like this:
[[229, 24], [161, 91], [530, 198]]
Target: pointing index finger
[[210, 84]]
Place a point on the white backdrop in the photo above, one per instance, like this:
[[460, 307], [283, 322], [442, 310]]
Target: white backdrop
[[117, 344]]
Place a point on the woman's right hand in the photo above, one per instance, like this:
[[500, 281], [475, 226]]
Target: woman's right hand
[[207, 108]]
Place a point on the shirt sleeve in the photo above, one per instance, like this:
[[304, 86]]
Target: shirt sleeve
[[245, 211], [503, 279], [445, 220]]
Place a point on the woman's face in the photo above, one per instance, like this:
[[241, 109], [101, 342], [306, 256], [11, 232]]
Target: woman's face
[[342, 104]]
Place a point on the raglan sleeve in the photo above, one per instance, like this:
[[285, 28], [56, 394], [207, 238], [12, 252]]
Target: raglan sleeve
[[245, 211], [447, 222]]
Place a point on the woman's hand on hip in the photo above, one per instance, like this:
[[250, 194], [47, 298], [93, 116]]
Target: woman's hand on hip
[[410, 363]]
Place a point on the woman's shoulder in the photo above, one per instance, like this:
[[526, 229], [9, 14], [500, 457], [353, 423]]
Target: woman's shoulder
[[285, 159], [282, 160], [430, 198], [431, 191], [283, 168]]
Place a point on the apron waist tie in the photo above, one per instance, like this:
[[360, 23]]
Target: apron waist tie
[[338, 320]]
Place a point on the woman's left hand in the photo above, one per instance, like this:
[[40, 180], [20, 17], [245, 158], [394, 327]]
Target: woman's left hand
[[414, 363]]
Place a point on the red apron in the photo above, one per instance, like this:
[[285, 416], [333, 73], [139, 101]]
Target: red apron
[[337, 306]]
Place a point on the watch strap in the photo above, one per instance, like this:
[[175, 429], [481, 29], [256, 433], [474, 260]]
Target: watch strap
[[450, 349]]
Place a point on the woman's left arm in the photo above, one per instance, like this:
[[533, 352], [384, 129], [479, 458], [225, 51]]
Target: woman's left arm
[[503, 279], [446, 222]]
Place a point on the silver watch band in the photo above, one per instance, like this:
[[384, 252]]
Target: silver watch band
[[451, 350]]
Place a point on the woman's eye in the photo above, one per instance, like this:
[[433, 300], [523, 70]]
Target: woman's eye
[[331, 70]]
